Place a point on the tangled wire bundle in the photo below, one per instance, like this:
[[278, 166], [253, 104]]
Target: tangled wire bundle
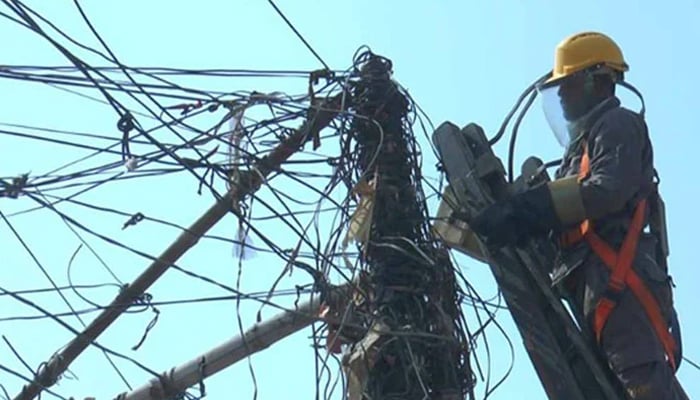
[[159, 125], [412, 278]]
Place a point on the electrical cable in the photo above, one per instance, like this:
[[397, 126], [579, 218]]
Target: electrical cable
[[296, 209], [296, 32]]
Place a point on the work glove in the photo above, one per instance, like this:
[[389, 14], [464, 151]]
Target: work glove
[[518, 218]]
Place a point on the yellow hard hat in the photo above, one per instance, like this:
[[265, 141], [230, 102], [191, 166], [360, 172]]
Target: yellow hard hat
[[584, 50]]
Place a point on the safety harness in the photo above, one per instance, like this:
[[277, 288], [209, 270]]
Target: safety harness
[[622, 275]]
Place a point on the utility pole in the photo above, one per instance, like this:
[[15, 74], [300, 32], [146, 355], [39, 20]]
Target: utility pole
[[415, 346], [174, 382]]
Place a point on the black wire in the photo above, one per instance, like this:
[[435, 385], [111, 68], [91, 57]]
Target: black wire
[[519, 101], [689, 361], [212, 72], [4, 391], [76, 332], [60, 293], [24, 378], [118, 244], [116, 164], [70, 278], [122, 111], [262, 297], [514, 135], [35, 259], [58, 141], [94, 84], [73, 133], [289, 214], [62, 288], [114, 59], [16, 353], [308, 46], [19, 8], [159, 221], [107, 84]]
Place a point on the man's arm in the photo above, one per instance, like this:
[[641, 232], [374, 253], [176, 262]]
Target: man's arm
[[616, 150]]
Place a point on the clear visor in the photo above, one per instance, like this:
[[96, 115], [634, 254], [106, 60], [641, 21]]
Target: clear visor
[[554, 113]]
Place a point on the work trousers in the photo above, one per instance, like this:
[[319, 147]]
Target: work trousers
[[628, 341]]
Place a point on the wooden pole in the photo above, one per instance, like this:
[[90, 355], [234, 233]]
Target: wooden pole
[[319, 118], [259, 337]]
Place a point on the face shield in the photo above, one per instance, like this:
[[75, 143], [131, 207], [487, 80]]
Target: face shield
[[568, 102], [554, 113]]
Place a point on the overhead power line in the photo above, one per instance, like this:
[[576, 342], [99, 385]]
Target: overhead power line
[[308, 46]]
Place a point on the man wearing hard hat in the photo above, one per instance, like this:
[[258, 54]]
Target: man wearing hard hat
[[604, 196]]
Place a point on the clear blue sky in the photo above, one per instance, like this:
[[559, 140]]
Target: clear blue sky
[[461, 61]]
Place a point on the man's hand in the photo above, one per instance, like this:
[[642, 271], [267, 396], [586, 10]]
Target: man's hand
[[517, 218], [497, 224]]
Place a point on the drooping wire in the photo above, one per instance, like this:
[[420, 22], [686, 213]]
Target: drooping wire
[[292, 207], [514, 134], [60, 293], [518, 102], [73, 330]]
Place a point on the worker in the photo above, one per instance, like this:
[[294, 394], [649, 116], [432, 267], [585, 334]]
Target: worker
[[596, 209]]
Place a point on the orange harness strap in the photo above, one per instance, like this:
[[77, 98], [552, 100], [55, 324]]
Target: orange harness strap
[[621, 273]]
